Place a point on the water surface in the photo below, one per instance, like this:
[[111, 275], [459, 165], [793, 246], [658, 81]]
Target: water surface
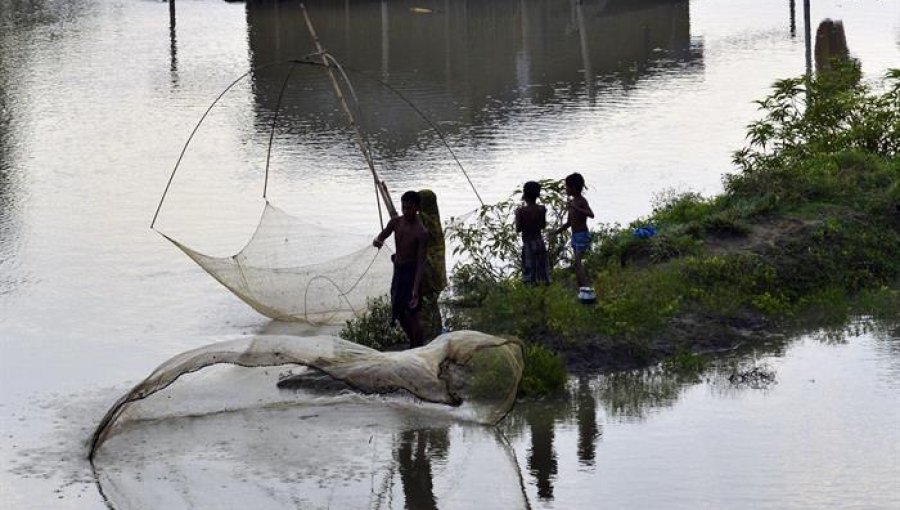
[[98, 96]]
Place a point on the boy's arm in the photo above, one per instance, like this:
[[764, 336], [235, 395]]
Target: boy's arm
[[583, 207], [518, 219], [384, 234], [420, 267], [543, 217]]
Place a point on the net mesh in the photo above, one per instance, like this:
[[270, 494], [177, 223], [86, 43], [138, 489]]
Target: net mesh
[[336, 425], [351, 456], [471, 373], [279, 272]]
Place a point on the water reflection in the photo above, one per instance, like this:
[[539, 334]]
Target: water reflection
[[542, 461], [416, 451], [8, 208], [630, 395], [173, 46], [588, 430], [335, 455], [18, 23], [539, 421], [466, 64]]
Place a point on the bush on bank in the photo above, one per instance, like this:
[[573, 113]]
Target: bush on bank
[[813, 214], [811, 219]]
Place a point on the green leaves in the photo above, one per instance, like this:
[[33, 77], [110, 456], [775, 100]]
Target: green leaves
[[489, 247], [832, 113]]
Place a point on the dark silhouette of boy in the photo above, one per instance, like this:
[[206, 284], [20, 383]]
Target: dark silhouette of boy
[[578, 213], [410, 237], [531, 219]]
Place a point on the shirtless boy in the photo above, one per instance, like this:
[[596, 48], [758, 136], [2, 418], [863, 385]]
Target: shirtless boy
[[531, 219], [409, 263], [579, 211]]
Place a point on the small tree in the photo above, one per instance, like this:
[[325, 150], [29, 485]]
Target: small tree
[[489, 245]]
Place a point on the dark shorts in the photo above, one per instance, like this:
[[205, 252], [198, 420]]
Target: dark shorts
[[402, 289], [581, 241], [535, 266]]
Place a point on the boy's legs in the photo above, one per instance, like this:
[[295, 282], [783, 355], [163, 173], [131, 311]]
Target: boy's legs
[[409, 321], [580, 275], [581, 242], [401, 292]]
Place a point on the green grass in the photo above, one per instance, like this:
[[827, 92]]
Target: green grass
[[811, 218], [809, 223]]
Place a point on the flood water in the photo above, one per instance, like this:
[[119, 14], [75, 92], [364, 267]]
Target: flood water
[[97, 98]]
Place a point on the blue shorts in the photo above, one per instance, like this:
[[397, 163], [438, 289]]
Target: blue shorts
[[581, 241]]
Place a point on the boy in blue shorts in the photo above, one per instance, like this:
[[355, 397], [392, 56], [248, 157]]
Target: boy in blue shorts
[[578, 213]]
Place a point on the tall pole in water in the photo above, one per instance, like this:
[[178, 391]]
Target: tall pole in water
[[385, 42], [585, 50], [363, 146], [807, 31], [173, 45], [793, 4]]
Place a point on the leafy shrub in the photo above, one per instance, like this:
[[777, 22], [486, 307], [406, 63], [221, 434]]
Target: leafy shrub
[[818, 192], [806, 119], [373, 328], [677, 208], [545, 372], [490, 245]]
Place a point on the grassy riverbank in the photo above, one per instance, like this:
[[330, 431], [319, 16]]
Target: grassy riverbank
[[810, 222]]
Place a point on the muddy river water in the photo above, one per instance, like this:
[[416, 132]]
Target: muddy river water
[[643, 97]]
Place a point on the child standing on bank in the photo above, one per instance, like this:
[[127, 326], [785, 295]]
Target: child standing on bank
[[531, 219], [578, 213]]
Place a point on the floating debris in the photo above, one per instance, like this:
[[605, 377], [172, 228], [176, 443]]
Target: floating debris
[[758, 377]]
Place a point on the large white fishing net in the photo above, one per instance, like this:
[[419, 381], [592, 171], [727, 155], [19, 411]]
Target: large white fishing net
[[316, 422], [281, 274]]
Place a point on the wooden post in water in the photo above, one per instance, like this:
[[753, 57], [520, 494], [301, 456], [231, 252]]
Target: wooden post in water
[[807, 32], [385, 42], [585, 50], [173, 45], [793, 17], [360, 140]]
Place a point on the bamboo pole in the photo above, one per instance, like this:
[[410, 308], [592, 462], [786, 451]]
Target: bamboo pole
[[379, 183]]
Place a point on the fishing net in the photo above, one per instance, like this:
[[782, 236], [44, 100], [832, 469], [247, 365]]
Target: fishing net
[[279, 272], [316, 422], [474, 372]]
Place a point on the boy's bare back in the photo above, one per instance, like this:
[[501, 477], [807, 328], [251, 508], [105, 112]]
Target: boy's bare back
[[531, 220]]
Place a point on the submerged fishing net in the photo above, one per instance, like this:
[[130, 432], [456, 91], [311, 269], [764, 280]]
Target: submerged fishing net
[[335, 425], [279, 272], [348, 456], [475, 372]]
